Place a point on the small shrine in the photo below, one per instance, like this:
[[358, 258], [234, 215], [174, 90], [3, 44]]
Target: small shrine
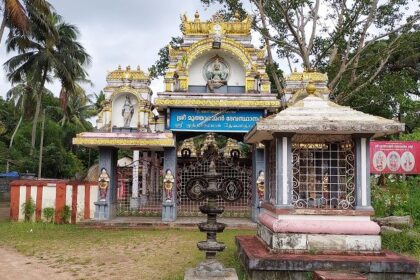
[[316, 208]]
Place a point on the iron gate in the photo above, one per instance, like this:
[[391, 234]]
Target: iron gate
[[231, 169], [150, 203]]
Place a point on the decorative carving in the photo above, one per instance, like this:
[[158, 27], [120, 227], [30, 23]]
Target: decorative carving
[[218, 103], [216, 72], [187, 149], [232, 149], [209, 143], [123, 142], [127, 111], [103, 183], [232, 189], [168, 184], [194, 188]]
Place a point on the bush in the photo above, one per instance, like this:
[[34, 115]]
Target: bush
[[48, 214], [66, 215], [398, 198], [28, 209]]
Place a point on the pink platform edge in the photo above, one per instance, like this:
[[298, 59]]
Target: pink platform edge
[[320, 226]]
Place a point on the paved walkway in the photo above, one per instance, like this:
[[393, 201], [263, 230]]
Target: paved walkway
[[156, 222], [14, 266]]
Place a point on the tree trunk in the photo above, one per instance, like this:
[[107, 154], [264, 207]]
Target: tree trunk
[[38, 109], [15, 131], [2, 26]]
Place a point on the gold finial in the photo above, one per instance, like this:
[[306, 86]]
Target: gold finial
[[310, 88], [128, 68], [138, 67], [295, 70], [197, 15], [119, 67]]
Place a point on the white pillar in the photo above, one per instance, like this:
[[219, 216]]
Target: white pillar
[[135, 190]]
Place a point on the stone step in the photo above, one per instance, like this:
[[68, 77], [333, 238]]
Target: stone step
[[338, 275]]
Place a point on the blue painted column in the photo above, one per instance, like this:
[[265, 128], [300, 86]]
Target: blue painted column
[[362, 173], [284, 176], [106, 210], [258, 165], [169, 209]]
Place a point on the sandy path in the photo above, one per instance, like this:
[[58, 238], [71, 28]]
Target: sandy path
[[14, 265]]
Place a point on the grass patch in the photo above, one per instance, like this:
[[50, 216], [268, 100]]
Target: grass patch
[[407, 242], [133, 254]]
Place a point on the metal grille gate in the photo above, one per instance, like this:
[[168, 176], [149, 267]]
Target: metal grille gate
[[230, 168], [151, 202]]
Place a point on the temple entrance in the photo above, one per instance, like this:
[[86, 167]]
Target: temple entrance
[[231, 161], [148, 171]]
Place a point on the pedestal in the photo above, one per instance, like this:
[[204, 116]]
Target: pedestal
[[229, 274], [168, 212], [134, 203], [143, 200], [101, 210]]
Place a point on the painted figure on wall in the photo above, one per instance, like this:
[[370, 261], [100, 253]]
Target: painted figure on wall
[[216, 75], [261, 186], [127, 111], [168, 184], [103, 183]]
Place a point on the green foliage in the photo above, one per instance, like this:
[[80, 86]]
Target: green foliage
[[66, 214], [399, 198], [406, 242], [28, 209], [48, 214], [161, 65]]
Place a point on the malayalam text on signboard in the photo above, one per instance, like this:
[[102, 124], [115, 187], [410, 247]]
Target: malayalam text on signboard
[[213, 120], [399, 157]]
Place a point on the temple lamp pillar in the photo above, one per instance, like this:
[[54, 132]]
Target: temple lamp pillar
[[284, 172], [258, 169], [134, 201], [105, 207], [362, 169], [169, 210]]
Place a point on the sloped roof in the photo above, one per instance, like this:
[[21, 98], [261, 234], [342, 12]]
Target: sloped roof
[[314, 115]]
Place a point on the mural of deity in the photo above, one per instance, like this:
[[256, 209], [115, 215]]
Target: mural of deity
[[103, 183], [216, 74], [127, 111], [260, 186], [168, 184]]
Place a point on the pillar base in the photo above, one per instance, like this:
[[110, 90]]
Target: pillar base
[[193, 274], [103, 210], [134, 203], [168, 212]]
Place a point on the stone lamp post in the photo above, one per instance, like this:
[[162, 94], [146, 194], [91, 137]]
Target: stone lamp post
[[211, 268]]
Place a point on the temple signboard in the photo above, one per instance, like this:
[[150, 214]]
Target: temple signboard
[[229, 120], [397, 157]]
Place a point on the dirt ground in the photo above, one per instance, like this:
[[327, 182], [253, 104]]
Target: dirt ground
[[67, 252], [14, 265]]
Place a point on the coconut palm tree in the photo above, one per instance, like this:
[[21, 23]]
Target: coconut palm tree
[[14, 13], [50, 51]]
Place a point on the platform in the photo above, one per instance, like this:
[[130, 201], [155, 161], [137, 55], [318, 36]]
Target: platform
[[156, 222], [259, 263]]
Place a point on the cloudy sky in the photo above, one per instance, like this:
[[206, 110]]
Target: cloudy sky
[[128, 32]]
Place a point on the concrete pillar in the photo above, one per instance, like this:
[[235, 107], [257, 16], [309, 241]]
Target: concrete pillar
[[258, 164], [105, 210], [169, 210], [134, 201], [284, 176], [362, 170]]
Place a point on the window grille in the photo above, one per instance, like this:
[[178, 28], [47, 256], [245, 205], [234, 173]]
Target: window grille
[[323, 175]]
